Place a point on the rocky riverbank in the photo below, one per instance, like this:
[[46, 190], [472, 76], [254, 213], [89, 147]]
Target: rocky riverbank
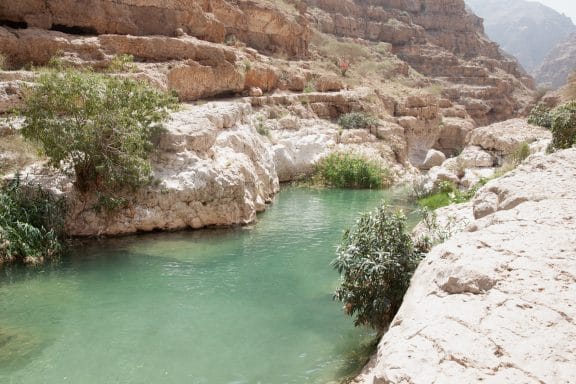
[[494, 303]]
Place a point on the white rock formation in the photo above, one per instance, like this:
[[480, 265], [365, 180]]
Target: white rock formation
[[433, 158], [214, 168], [495, 303], [506, 136], [299, 145]]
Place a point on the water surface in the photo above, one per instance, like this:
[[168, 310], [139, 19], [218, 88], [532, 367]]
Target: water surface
[[241, 305]]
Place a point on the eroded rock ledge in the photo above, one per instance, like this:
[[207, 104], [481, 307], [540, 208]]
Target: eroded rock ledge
[[495, 303]]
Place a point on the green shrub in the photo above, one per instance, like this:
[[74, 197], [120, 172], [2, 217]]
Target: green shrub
[[448, 193], [356, 120], [520, 153], [564, 126], [344, 170], [122, 63], [376, 260], [561, 121], [540, 115], [31, 224], [309, 88], [98, 126]]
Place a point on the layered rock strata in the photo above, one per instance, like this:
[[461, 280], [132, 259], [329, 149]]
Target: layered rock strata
[[439, 39], [494, 303], [260, 24]]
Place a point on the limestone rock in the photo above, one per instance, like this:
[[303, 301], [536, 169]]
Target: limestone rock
[[214, 169], [453, 133], [475, 157], [498, 297], [433, 158], [506, 136], [297, 152]]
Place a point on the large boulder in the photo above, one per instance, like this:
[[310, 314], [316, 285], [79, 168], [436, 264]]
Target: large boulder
[[506, 136]]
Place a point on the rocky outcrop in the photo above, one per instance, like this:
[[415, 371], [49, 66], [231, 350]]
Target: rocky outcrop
[[495, 302], [212, 166], [261, 25], [505, 137], [193, 68], [528, 30], [558, 64]]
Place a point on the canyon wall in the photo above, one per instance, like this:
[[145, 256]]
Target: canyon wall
[[260, 24]]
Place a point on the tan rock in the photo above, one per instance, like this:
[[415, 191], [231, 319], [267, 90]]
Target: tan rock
[[262, 77], [328, 84], [475, 157], [261, 25], [433, 158]]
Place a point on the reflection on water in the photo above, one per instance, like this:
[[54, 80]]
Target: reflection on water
[[241, 305]]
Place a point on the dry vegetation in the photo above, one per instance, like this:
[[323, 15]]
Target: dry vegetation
[[15, 153], [570, 90]]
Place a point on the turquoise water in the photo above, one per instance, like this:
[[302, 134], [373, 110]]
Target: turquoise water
[[242, 305]]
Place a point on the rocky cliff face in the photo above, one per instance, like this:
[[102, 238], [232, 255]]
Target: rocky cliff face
[[559, 64], [424, 69], [439, 39], [527, 30], [494, 303], [260, 24]]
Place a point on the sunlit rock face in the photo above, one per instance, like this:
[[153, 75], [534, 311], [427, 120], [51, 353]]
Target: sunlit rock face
[[495, 302]]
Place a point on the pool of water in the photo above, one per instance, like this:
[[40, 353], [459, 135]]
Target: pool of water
[[242, 305]]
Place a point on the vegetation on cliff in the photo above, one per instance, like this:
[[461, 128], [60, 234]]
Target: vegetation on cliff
[[345, 170], [101, 127], [31, 224], [560, 120], [376, 260]]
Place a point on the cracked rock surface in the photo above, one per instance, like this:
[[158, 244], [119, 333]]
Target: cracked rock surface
[[495, 303]]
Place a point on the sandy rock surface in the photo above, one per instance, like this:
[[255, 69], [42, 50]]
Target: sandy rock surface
[[495, 304]]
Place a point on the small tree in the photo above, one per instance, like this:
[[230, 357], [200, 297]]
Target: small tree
[[376, 260], [100, 127], [560, 120]]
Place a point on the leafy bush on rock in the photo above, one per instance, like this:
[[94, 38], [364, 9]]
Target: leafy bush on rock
[[356, 120], [31, 224], [560, 120], [99, 126], [376, 260]]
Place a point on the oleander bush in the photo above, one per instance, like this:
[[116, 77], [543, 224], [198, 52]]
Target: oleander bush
[[560, 120], [356, 120], [376, 260]]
